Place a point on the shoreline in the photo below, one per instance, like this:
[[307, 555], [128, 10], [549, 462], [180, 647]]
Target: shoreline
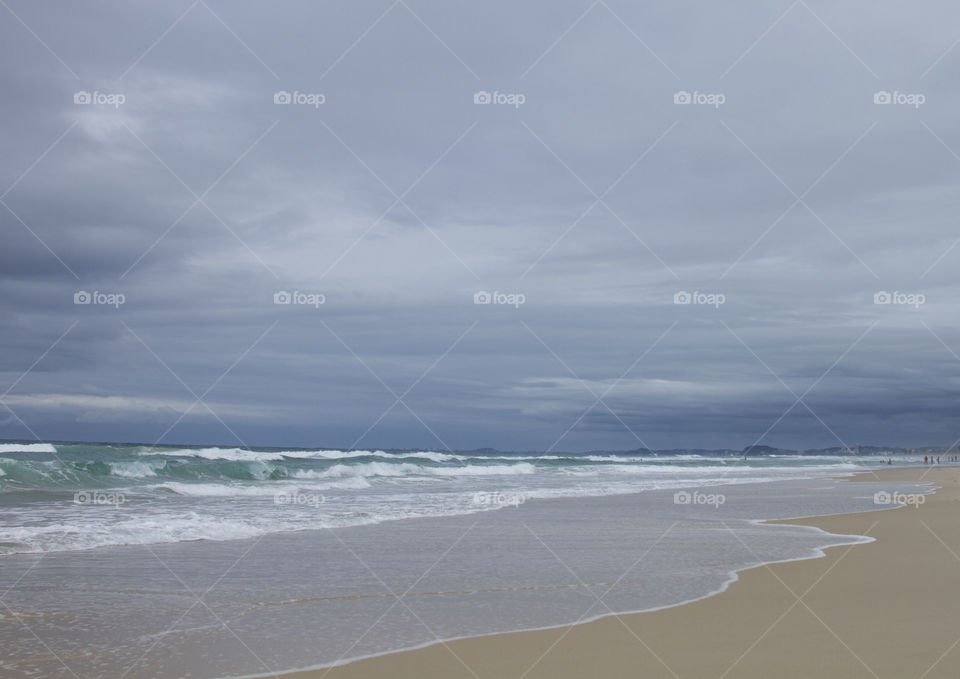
[[446, 657]]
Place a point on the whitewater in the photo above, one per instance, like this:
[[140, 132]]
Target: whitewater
[[77, 496]]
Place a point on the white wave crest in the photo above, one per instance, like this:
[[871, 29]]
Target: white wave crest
[[133, 470], [27, 448]]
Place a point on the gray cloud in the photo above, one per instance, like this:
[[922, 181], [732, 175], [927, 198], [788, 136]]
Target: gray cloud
[[398, 198]]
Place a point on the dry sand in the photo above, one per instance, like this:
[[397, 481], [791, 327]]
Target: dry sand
[[890, 608]]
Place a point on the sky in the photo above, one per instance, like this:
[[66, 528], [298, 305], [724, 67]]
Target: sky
[[452, 225]]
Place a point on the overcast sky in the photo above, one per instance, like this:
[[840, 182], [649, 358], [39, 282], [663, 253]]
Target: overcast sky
[[787, 162]]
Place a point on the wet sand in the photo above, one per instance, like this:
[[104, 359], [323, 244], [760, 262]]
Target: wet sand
[[890, 608]]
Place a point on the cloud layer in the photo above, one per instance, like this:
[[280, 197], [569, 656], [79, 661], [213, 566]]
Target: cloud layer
[[695, 228]]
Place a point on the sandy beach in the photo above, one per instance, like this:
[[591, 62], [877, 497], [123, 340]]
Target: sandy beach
[[885, 609]]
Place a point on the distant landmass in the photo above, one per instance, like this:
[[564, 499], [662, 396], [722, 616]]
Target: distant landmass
[[772, 450], [637, 452]]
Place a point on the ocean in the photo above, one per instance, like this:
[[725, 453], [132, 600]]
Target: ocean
[[218, 561]]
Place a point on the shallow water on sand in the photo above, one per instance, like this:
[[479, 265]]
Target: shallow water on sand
[[291, 600]]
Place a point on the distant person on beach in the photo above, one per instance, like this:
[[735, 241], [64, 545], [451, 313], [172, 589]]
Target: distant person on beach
[[924, 459]]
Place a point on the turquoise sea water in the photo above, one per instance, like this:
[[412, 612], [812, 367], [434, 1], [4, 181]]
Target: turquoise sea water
[[137, 562], [56, 497]]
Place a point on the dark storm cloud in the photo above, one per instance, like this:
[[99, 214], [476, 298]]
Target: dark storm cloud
[[391, 193]]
